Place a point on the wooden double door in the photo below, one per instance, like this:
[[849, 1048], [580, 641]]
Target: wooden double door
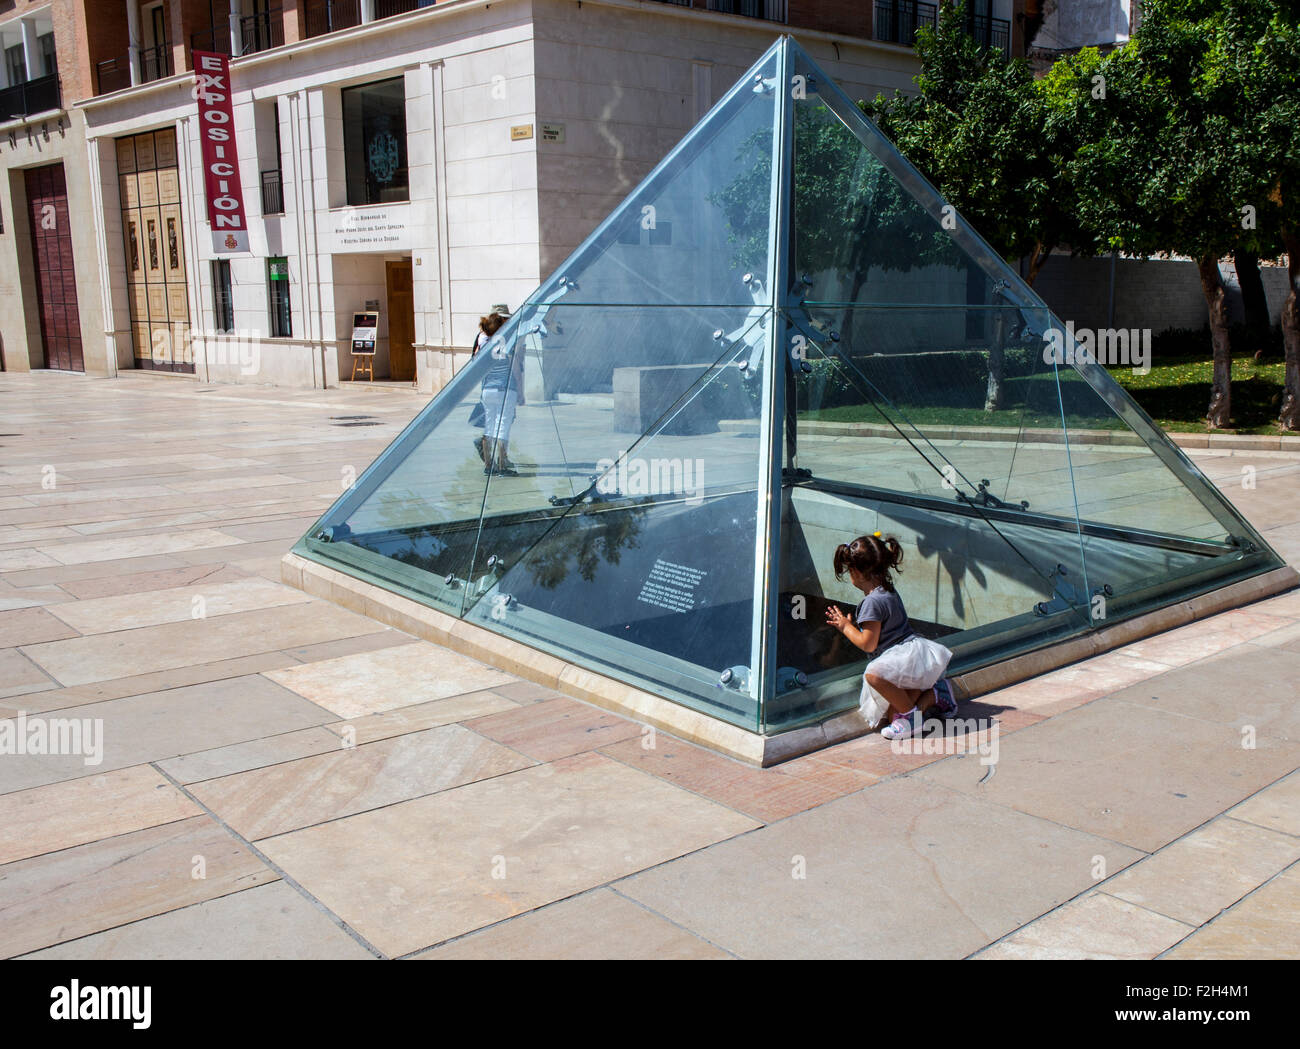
[[150, 187], [56, 281]]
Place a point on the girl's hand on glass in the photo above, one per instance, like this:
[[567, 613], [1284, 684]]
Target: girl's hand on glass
[[836, 618]]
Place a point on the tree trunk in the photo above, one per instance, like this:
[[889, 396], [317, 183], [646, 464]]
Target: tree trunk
[[1290, 417], [993, 394], [1037, 260], [1219, 414], [1253, 299]]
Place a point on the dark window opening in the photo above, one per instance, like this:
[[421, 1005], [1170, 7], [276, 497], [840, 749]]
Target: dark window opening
[[277, 282], [374, 142], [223, 300]]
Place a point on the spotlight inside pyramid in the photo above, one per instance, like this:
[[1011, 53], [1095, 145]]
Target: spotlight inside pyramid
[[783, 339]]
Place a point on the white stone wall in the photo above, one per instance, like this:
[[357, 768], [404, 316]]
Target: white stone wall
[[490, 212]]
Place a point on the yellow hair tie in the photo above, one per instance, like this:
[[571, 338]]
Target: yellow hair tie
[[876, 534]]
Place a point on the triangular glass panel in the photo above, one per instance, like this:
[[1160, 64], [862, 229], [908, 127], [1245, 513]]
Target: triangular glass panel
[[782, 339]]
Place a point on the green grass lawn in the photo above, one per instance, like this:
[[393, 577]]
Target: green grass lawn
[[1175, 393]]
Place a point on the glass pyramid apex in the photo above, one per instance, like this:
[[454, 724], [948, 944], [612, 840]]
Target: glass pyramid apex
[[782, 339]]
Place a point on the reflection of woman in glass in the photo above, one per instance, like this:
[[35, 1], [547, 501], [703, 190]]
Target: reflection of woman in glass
[[503, 391]]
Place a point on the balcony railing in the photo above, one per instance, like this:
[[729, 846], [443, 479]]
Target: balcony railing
[[214, 38], [259, 32], [768, 10], [326, 16], [155, 62], [898, 20], [272, 193], [388, 8], [990, 32], [262, 31], [34, 96]]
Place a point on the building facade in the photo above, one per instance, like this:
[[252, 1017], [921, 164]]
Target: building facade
[[424, 161]]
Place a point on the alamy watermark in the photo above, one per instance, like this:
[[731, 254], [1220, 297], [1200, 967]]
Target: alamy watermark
[[240, 348], [79, 736], [957, 736], [637, 476], [1127, 347]]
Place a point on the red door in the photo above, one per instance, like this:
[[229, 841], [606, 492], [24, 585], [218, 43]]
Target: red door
[[56, 282]]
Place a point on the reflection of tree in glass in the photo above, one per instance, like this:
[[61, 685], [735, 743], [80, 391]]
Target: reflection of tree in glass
[[599, 533], [850, 213]]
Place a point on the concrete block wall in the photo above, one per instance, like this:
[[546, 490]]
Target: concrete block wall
[[1149, 293]]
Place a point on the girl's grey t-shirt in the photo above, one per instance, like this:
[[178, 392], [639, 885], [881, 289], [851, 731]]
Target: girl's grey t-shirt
[[886, 608]]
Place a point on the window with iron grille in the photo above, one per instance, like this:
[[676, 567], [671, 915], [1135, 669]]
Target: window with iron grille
[[277, 283], [223, 301]]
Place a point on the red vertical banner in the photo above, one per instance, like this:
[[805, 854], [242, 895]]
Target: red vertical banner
[[220, 157]]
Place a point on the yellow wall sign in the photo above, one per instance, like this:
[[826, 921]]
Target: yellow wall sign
[[521, 131]]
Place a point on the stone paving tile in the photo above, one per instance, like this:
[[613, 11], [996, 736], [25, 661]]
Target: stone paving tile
[[1205, 637], [253, 754], [1287, 637], [93, 570], [1125, 772], [371, 727], [526, 692], [346, 781], [384, 638], [84, 552], [152, 608], [139, 729], [1253, 691], [102, 657], [291, 528], [765, 794], [873, 756], [119, 688], [28, 626], [599, 925], [22, 560], [137, 582], [415, 874], [269, 922], [1282, 605], [46, 819], [823, 884], [1266, 924], [87, 889], [370, 682], [555, 728], [242, 553], [19, 676], [1196, 877], [1276, 807], [1093, 926], [1073, 686]]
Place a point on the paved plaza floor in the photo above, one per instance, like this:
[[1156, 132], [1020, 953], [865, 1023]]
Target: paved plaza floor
[[278, 777]]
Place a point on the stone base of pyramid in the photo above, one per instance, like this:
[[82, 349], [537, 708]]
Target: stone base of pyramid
[[753, 748]]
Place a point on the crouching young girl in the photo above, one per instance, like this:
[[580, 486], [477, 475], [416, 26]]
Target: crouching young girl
[[908, 669]]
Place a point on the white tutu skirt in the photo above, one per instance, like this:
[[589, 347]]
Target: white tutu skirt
[[915, 663]]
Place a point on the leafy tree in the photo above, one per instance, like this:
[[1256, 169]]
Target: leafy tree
[[992, 140], [1186, 156]]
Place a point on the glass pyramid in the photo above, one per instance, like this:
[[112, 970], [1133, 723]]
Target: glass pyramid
[[783, 339]]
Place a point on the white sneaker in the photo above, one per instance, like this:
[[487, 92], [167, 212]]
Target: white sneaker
[[904, 725]]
